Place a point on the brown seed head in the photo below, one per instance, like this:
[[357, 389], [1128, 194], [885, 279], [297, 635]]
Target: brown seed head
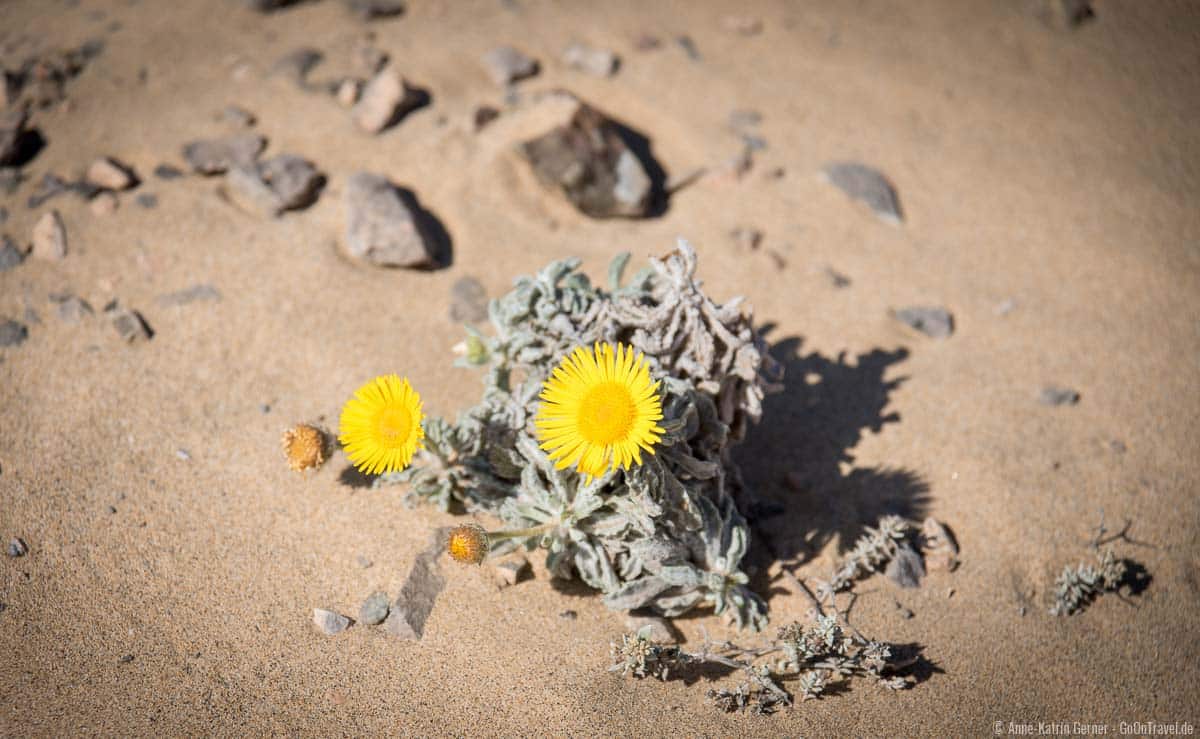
[[468, 544], [304, 446]]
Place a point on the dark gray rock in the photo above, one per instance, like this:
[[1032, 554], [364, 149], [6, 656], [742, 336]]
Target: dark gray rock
[[369, 10], [374, 609], [147, 200], [689, 47], [836, 279], [568, 615], [12, 333], [868, 185], [381, 227], [214, 156], [330, 622], [484, 115], [266, 6], [17, 548], [281, 183], [167, 172], [1054, 395], [10, 254], [506, 65], [1069, 14], [933, 321], [468, 301], [189, 295], [906, 568], [588, 161]]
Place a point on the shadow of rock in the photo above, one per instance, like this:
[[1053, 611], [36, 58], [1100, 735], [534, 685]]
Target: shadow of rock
[[801, 486], [643, 149], [433, 231]]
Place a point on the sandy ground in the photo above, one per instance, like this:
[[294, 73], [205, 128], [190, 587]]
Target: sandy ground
[[1055, 169]]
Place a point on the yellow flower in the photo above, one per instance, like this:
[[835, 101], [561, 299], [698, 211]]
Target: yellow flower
[[599, 410], [381, 425]]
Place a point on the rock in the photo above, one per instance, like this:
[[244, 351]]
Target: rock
[[214, 156], [742, 25], [1069, 14], [746, 239], [374, 609], [284, 182], [167, 172], [381, 228], [864, 183], [369, 59], [937, 546], [295, 65], [468, 301], [238, 117], [363, 562], [588, 161], [126, 659], [329, 622], [568, 615], [369, 10], [50, 186], [347, 92], [131, 327], [836, 279], [147, 200], [104, 204], [659, 629], [933, 321], [418, 594], [506, 65], [689, 47], [484, 115], [73, 309], [510, 571], [17, 548], [50, 237], [10, 254], [266, 6], [588, 59], [110, 174], [12, 333], [647, 42], [906, 568], [905, 613], [189, 295], [385, 100], [1054, 395], [182, 455]]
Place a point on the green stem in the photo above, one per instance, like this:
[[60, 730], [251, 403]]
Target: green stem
[[495, 536]]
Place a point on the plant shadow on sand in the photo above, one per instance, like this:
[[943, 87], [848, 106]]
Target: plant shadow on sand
[[801, 486]]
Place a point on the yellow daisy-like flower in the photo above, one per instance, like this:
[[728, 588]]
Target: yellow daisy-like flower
[[381, 425], [598, 409]]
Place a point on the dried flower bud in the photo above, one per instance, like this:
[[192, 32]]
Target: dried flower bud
[[468, 544], [304, 446]]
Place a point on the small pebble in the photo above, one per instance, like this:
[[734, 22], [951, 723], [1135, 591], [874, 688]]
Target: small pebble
[[836, 279], [362, 561], [191, 294], [10, 254], [506, 65], [73, 309], [112, 510], [12, 333], [568, 615], [131, 327], [328, 622], [183, 454], [510, 571], [867, 185], [374, 609], [295, 65], [660, 628], [147, 200], [746, 238], [1053, 395], [906, 567], [1005, 307], [905, 613], [238, 116], [347, 92], [110, 174], [50, 237], [689, 47], [126, 659], [369, 10], [17, 548], [484, 115], [647, 42], [385, 99], [933, 321], [590, 60], [167, 172]]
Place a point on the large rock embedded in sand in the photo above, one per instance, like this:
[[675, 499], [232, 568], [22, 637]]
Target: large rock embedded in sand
[[587, 159], [385, 99], [214, 156], [284, 182], [382, 227]]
